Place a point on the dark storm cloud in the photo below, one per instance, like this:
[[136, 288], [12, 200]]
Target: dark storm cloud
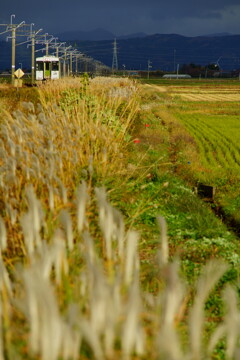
[[212, 15], [184, 14], [125, 16], [191, 9]]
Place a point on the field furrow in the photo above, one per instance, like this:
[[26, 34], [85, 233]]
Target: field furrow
[[213, 134]]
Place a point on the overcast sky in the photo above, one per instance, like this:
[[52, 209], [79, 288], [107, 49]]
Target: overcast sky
[[185, 17]]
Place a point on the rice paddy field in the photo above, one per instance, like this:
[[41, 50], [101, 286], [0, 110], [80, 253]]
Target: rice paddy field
[[106, 250], [210, 114]]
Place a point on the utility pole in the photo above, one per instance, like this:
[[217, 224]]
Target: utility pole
[[115, 59], [13, 28], [47, 44], [13, 53], [33, 55], [76, 64], [33, 38], [73, 52], [65, 62], [71, 60], [149, 67], [57, 53], [85, 64], [57, 46]]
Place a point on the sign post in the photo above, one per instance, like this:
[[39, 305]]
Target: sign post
[[19, 74]]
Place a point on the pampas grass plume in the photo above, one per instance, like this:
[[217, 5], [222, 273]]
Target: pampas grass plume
[[3, 235], [131, 256], [66, 222], [211, 275], [132, 333], [230, 328], [82, 198], [164, 251]]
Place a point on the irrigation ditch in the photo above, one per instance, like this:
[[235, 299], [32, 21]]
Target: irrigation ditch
[[206, 193], [232, 224]]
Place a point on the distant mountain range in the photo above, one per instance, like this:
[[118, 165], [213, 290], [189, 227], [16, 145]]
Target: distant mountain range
[[100, 34], [219, 34], [164, 51], [167, 51], [95, 35]]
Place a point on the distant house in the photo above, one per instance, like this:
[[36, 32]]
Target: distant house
[[176, 76], [133, 73]]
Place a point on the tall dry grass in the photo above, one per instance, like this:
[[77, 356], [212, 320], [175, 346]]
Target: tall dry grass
[[76, 130]]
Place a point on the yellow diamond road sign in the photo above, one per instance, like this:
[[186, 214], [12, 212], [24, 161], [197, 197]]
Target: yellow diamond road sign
[[19, 73]]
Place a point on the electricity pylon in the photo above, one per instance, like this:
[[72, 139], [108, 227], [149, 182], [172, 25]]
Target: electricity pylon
[[115, 59]]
